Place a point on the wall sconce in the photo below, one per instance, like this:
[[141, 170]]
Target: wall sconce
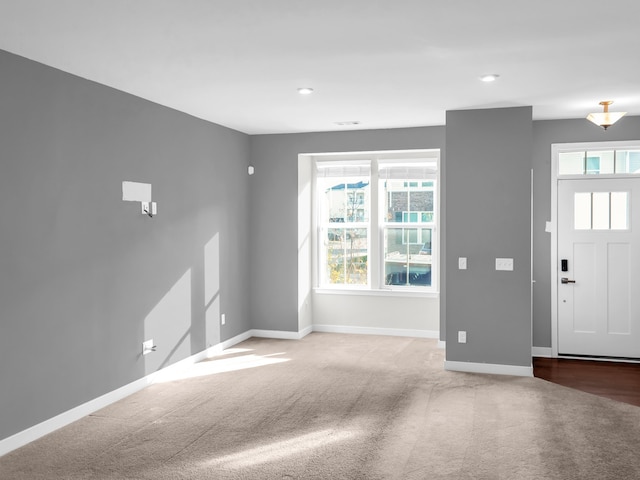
[[605, 118], [149, 208], [140, 192]]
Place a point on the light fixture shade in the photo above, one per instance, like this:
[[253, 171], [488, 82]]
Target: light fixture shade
[[605, 118]]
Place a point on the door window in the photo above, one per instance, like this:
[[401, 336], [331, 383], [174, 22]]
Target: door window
[[601, 211]]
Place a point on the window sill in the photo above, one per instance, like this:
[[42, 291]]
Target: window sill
[[377, 292]]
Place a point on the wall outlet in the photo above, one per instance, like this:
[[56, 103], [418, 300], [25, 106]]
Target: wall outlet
[[504, 263], [462, 263], [223, 318], [462, 336]]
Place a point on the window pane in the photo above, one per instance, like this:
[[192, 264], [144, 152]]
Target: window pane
[[335, 235], [344, 199], [634, 162], [408, 202], [582, 211], [347, 255], [592, 165], [627, 161], [421, 201], [410, 236], [407, 256], [599, 162], [398, 202], [571, 163], [619, 210], [600, 213]]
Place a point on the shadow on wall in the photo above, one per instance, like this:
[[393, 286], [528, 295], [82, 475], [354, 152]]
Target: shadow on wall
[[170, 323]]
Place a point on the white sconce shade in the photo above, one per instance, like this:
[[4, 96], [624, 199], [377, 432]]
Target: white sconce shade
[[136, 192]]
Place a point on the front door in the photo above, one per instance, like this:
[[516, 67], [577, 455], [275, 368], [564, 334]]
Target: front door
[[599, 267]]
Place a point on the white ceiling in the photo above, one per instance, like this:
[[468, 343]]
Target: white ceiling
[[386, 64]]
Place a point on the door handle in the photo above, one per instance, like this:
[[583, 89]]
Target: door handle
[[566, 280]]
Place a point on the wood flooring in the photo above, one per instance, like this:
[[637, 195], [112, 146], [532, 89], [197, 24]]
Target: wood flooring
[[614, 380]]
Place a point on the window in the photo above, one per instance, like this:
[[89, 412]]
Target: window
[[601, 210], [343, 193], [601, 162], [377, 221], [407, 230]]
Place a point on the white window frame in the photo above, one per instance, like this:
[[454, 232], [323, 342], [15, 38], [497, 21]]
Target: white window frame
[[377, 224]]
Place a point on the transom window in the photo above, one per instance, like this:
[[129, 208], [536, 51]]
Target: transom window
[[599, 162], [376, 221]]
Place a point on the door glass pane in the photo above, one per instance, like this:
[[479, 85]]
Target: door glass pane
[[619, 210], [571, 163], [582, 211], [600, 213]]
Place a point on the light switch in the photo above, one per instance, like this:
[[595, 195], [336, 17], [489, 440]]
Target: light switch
[[462, 263], [504, 263]]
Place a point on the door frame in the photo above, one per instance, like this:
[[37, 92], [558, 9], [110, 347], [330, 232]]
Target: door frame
[[556, 149]]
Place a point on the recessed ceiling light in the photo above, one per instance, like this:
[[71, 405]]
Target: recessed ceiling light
[[305, 91], [489, 77], [348, 123]]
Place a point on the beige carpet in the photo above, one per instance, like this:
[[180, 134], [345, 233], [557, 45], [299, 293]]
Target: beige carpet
[[341, 407]]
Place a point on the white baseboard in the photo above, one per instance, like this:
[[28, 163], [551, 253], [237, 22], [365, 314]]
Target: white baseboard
[[220, 347], [306, 331], [541, 352], [65, 418], [280, 334], [442, 344], [395, 332], [41, 429], [489, 368]]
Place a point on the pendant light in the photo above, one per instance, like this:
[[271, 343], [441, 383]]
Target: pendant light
[[605, 118]]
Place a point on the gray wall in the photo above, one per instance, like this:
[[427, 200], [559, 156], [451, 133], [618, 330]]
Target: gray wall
[[274, 200], [488, 178], [546, 133], [274, 209], [84, 277]]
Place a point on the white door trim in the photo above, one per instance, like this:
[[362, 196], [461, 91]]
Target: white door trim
[[556, 148]]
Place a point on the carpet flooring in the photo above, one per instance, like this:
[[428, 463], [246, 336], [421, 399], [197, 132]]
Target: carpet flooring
[[334, 406]]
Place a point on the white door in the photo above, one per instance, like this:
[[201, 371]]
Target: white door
[[599, 291]]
